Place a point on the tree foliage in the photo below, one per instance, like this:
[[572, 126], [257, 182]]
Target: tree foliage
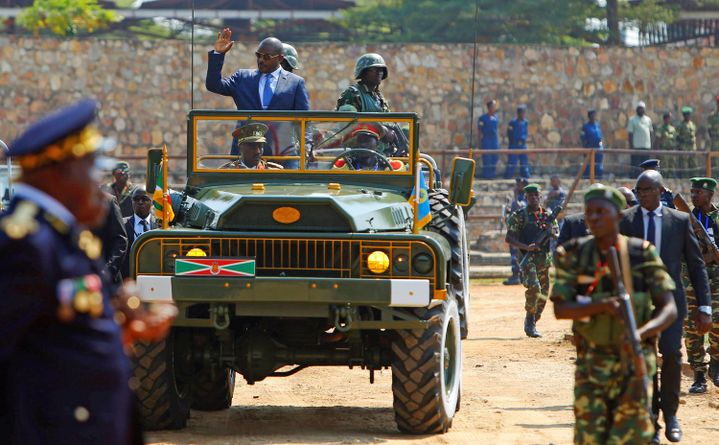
[[66, 17]]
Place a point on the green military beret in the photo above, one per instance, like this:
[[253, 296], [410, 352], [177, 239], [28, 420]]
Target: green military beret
[[704, 183], [610, 194], [531, 188], [686, 110], [122, 165]]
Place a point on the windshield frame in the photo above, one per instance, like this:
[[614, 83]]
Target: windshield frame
[[200, 175]]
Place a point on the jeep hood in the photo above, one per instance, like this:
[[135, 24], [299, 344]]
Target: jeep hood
[[297, 207]]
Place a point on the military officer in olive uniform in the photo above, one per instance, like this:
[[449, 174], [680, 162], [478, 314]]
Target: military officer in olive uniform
[[63, 369], [687, 140], [610, 405], [291, 60], [702, 192], [713, 127], [523, 228], [365, 95], [251, 140], [121, 188], [666, 138]]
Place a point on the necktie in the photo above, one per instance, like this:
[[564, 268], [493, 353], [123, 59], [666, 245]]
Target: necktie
[[143, 223], [267, 92], [651, 229]]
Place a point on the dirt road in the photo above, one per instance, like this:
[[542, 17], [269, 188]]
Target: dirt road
[[516, 391]]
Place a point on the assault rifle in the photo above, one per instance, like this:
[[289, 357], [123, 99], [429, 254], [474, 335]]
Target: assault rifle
[[544, 235], [699, 230], [630, 323]]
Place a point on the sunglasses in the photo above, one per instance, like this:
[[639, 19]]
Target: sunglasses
[[265, 57]]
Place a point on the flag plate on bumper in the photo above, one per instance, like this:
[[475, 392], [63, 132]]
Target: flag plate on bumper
[[221, 267]]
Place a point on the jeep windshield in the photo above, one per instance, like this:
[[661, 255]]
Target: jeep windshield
[[302, 142]]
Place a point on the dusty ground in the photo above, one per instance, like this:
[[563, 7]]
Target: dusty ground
[[516, 391]]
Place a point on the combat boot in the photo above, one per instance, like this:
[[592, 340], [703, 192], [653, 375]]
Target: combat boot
[[714, 372], [530, 326], [700, 383], [512, 281]]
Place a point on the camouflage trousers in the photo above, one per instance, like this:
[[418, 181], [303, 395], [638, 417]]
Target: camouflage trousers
[[535, 278], [610, 405], [695, 342]]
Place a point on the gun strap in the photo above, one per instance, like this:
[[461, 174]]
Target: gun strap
[[625, 265]]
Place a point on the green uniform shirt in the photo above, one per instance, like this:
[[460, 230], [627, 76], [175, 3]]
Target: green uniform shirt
[[713, 129], [363, 99], [687, 136], [666, 137], [525, 226]]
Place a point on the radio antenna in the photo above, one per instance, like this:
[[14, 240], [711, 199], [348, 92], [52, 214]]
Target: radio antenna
[[192, 57], [474, 70]]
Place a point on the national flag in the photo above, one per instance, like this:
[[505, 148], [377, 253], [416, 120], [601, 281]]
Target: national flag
[[161, 197], [421, 205], [234, 267]]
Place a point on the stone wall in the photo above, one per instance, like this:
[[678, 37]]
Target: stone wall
[[144, 87]]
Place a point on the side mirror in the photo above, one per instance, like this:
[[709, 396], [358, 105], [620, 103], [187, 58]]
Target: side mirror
[[460, 183], [154, 158]]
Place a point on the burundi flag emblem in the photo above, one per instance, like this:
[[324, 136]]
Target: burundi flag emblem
[[221, 267]]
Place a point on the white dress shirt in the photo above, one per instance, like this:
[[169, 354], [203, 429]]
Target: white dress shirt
[[657, 226], [274, 76], [137, 226]]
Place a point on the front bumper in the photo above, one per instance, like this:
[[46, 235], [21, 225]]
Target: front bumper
[[354, 291]]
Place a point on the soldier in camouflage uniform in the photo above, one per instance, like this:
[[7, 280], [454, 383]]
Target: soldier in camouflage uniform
[[687, 140], [702, 190], [713, 127], [610, 403], [666, 139], [291, 60], [365, 95], [523, 228]]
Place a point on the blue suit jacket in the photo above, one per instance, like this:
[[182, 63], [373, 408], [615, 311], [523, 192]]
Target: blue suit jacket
[[243, 87]]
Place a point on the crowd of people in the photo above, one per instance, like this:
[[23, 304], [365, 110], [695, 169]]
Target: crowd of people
[[643, 135], [666, 260]]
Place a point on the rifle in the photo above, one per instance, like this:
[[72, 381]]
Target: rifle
[[627, 314], [544, 235], [699, 230]]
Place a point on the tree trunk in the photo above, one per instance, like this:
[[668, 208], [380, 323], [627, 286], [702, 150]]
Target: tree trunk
[[615, 38]]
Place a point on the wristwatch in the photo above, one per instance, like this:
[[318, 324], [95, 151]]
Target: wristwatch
[[707, 310]]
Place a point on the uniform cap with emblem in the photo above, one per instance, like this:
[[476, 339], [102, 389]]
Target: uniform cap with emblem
[[250, 133], [650, 164], [687, 110], [60, 136], [122, 166], [531, 188], [704, 183], [606, 193], [368, 129]]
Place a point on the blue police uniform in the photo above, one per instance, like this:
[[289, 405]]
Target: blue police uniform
[[489, 126], [64, 372], [592, 138], [517, 137]]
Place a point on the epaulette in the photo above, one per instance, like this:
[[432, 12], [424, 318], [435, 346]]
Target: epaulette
[[21, 222]]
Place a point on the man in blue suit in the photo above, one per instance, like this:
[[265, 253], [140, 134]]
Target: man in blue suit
[[269, 87]]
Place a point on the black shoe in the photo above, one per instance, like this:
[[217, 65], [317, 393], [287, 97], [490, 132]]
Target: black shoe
[[674, 430], [512, 281], [530, 327], [656, 439], [700, 383], [714, 372]]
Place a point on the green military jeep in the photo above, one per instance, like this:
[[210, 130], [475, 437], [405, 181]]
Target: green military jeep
[[322, 256]]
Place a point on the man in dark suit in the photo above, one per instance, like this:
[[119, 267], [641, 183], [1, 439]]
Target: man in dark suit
[[140, 222], [671, 233], [572, 227], [269, 87], [114, 240]]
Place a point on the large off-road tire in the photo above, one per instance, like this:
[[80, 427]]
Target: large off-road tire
[[212, 391], [163, 403], [426, 372], [448, 220]]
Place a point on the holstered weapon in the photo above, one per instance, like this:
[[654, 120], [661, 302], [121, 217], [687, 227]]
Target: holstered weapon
[[634, 343], [699, 230]]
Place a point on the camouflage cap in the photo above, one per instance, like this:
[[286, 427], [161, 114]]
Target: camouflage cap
[[606, 193], [290, 54], [123, 166], [704, 183], [250, 133], [531, 188]]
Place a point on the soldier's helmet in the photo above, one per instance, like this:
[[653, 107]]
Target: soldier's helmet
[[290, 54], [370, 60]]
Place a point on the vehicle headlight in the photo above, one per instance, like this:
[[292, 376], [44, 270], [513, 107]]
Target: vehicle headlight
[[422, 263], [196, 251], [377, 262]]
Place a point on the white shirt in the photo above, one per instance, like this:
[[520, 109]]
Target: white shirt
[[47, 202], [137, 226], [641, 130], [657, 226], [274, 76]]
